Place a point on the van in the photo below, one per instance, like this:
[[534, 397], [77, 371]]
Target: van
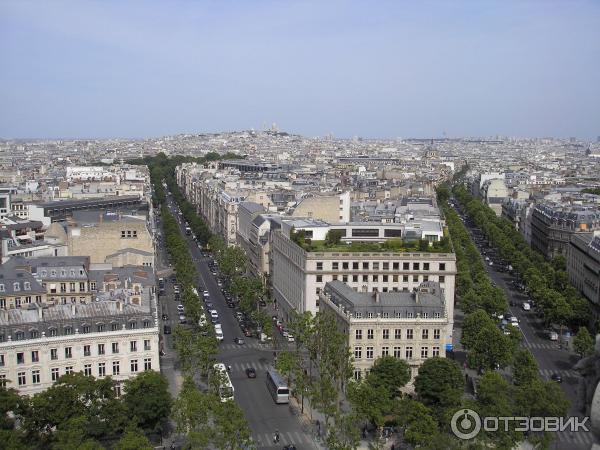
[[219, 334]]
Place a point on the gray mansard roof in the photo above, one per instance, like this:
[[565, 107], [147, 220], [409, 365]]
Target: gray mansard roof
[[62, 320], [428, 298]]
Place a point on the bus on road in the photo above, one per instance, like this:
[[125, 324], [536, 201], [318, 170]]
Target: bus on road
[[225, 385], [277, 387]]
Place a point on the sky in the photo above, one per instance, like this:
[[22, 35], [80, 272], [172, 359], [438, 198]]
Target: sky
[[374, 69]]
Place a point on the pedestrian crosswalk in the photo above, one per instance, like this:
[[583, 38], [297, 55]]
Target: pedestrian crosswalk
[[254, 345], [300, 440], [579, 439], [542, 345], [547, 373], [242, 366]]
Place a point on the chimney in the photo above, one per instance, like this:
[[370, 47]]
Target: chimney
[[120, 305], [40, 313]]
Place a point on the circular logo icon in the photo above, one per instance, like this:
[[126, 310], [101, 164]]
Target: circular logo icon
[[465, 424]]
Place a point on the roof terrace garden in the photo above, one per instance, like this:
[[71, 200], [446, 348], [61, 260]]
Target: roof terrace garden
[[333, 243]]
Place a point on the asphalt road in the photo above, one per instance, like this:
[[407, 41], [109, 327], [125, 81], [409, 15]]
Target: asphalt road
[[550, 358], [263, 415]]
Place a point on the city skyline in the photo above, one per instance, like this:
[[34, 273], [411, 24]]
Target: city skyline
[[81, 70]]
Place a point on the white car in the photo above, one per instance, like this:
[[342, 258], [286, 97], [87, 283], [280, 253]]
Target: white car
[[526, 307], [219, 334], [553, 336], [180, 308], [513, 320], [205, 294], [290, 338], [214, 314]]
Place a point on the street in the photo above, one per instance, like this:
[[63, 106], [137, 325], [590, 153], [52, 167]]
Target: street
[[550, 358], [263, 415]]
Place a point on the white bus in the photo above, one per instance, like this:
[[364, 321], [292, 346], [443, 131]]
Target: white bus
[[277, 387], [225, 386]]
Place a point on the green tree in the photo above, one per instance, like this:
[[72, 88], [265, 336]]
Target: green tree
[[583, 342], [495, 399], [418, 421], [369, 402], [148, 400], [390, 373], [333, 237], [191, 414], [440, 383], [525, 368], [491, 348], [133, 440], [230, 428], [87, 400], [472, 325], [196, 350]]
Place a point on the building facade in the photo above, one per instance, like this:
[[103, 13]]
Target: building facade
[[553, 224], [412, 326], [101, 339], [583, 266], [298, 276]]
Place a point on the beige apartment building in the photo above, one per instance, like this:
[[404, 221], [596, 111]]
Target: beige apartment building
[[39, 345], [408, 325], [299, 276], [111, 238]]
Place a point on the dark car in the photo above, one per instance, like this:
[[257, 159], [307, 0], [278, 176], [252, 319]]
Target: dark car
[[165, 317], [289, 447], [231, 304], [556, 377], [238, 341], [247, 332], [250, 372], [209, 305], [167, 329]]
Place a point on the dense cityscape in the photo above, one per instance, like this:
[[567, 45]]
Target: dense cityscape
[[372, 287], [300, 225]]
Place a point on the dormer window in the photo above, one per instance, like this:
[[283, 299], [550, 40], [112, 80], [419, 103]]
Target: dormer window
[[63, 273], [16, 286], [27, 285], [1, 287], [44, 273], [72, 272], [53, 273]]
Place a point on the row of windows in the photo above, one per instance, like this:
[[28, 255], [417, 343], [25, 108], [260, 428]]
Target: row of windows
[[63, 272], [396, 352], [87, 351], [376, 265], [134, 366], [385, 333], [62, 288], [20, 335], [18, 301], [375, 278], [128, 234], [17, 286]]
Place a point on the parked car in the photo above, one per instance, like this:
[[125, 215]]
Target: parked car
[[290, 338], [238, 340], [556, 377], [247, 332], [165, 317], [167, 329], [526, 306], [180, 308], [553, 335]]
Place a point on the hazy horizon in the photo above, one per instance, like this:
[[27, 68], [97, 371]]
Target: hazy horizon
[[386, 70]]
